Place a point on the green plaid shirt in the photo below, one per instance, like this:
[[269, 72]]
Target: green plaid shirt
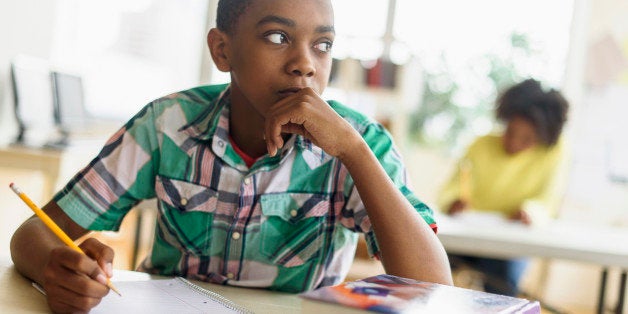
[[287, 223]]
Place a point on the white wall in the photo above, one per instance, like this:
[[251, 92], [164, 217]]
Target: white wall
[[590, 196], [26, 26]]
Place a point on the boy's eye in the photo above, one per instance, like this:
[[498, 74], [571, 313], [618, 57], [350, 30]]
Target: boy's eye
[[277, 38], [324, 46]]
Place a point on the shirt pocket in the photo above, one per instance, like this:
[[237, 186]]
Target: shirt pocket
[[186, 213], [293, 227]]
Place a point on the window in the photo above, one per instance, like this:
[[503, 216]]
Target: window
[[360, 26], [130, 52], [465, 51], [471, 50]]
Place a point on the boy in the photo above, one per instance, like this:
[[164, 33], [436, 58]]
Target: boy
[[257, 181]]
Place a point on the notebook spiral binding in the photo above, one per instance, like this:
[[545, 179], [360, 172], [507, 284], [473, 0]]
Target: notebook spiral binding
[[216, 297]]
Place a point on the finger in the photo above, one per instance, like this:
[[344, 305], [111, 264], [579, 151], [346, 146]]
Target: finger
[[72, 260], [77, 272], [294, 109], [100, 252], [85, 286], [270, 148], [277, 129], [80, 263], [75, 289], [269, 136], [272, 128], [294, 129], [282, 116], [57, 305], [273, 135], [270, 143], [64, 300]]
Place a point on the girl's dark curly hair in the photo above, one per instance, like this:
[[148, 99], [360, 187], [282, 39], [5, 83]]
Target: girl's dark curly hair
[[546, 110]]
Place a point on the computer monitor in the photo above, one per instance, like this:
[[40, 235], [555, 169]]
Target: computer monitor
[[33, 100], [69, 104]]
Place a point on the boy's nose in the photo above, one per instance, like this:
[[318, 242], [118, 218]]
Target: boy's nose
[[302, 63]]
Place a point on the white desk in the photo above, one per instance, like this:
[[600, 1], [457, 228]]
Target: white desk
[[487, 236], [18, 296]]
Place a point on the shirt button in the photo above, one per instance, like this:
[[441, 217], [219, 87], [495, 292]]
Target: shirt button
[[230, 275], [293, 213], [221, 143], [247, 181], [235, 235], [184, 201]]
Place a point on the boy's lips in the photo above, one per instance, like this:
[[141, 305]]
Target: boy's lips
[[288, 91]]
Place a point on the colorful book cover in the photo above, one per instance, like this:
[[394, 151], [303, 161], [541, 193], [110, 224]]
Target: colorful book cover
[[391, 294]]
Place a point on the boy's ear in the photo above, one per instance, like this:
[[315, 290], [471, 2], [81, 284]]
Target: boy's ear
[[218, 43]]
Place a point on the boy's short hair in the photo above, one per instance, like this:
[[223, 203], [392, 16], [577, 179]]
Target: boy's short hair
[[228, 13], [545, 109]]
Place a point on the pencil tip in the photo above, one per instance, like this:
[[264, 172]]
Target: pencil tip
[[11, 185], [114, 289]]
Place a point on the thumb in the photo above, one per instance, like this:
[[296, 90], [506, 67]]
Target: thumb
[[101, 253]]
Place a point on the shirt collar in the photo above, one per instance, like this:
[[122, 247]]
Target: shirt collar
[[216, 116], [214, 126]]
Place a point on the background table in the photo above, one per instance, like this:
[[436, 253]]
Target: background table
[[486, 235], [57, 165]]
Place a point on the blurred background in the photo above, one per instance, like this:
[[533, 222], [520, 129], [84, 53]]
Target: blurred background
[[428, 70]]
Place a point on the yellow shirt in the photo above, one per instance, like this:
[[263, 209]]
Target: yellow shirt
[[503, 183]]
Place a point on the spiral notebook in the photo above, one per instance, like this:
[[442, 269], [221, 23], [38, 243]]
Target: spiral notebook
[[175, 295]]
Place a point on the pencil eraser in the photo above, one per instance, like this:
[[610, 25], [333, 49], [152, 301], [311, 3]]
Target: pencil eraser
[[11, 185]]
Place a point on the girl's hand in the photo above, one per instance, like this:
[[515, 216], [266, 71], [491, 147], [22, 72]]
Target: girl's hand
[[306, 114], [522, 216], [457, 207]]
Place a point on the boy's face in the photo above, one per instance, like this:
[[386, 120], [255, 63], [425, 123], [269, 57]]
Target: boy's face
[[279, 47]]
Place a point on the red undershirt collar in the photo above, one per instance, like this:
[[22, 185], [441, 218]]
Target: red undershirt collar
[[248, 160]]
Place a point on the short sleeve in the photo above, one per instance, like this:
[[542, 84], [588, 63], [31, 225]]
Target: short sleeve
[[121, 175], [380, 142]]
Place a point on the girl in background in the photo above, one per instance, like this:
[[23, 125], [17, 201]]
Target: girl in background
[[514, 173]]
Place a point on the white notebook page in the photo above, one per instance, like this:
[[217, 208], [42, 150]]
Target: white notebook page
[[164, 296]]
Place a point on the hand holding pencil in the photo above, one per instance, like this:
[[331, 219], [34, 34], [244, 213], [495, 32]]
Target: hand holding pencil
[[55, 228]]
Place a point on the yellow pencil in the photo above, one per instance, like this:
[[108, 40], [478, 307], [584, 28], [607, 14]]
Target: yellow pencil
[[53, 227]]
